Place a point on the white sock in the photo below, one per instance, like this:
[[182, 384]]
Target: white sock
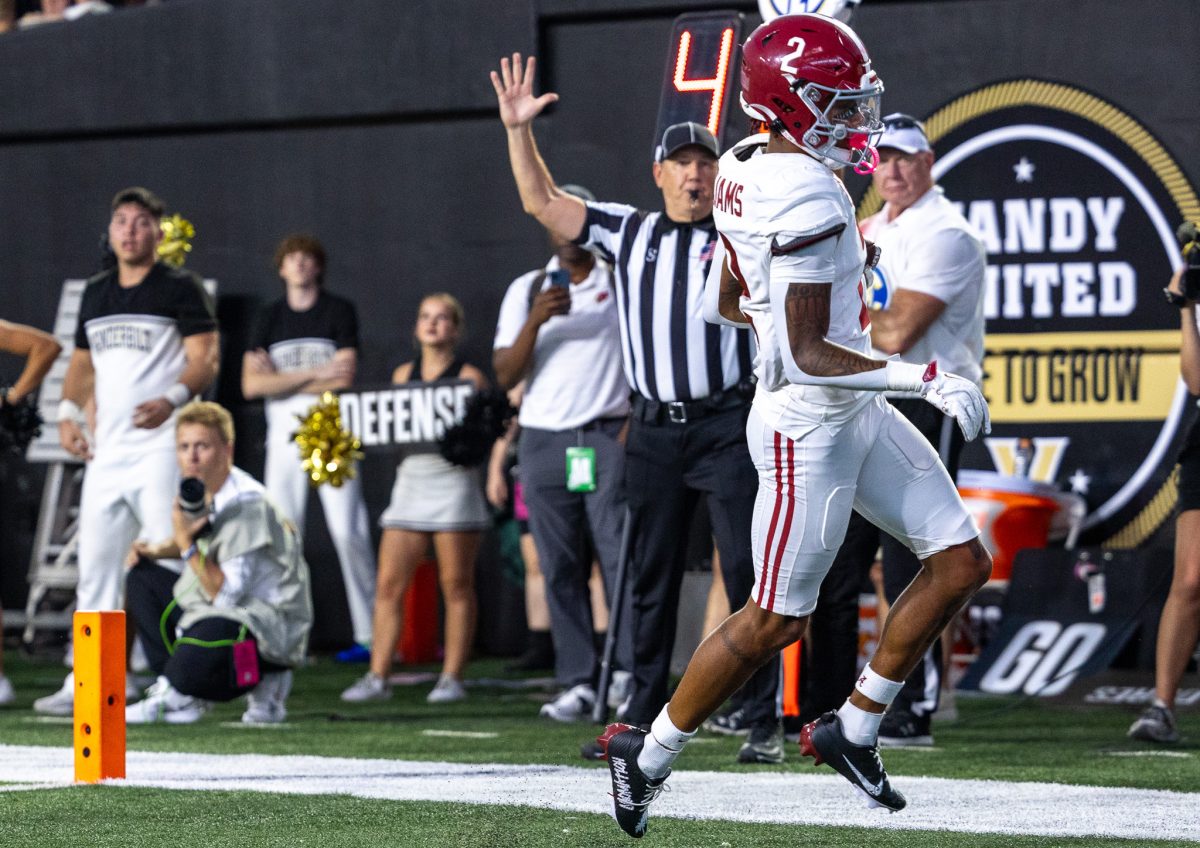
[[663, 744], [859, 726], [878, 688]]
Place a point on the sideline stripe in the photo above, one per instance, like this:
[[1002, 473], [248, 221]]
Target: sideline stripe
[[961, 806]]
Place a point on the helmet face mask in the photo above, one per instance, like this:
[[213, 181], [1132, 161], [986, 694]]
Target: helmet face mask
[[809, 78], [846, 128]]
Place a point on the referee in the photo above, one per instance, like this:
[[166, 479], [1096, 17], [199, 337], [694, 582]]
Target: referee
[[689, 381]]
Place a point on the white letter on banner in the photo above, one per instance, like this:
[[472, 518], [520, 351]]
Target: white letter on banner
[[1020, 657], [422, 414], [351, 413], [1062, 663], [400, 400], [1068, 225], [368, 436], [385, 418], [443, 402], [1106, 215], [461, 393]]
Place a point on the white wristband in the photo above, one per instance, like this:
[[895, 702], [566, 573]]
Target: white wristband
[[876, 687], [178, 395], [904, 376], [68, 410]]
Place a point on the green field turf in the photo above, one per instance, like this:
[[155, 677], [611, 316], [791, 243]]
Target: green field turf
[[994, 739]]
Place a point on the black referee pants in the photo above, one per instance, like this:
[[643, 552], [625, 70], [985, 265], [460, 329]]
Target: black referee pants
[[668, 468]]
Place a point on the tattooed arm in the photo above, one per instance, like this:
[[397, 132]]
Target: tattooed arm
[[807, 308], [801, 312]]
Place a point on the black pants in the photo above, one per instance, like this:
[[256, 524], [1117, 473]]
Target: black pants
[[196, 670], [834, 627], [668, 468]]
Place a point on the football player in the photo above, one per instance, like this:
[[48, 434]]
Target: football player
[[821, 435]]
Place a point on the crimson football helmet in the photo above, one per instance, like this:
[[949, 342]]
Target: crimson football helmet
[[808, 77]]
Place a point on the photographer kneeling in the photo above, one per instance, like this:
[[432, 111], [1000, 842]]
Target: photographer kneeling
[[237, 618]]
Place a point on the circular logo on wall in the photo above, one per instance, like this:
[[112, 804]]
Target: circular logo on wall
[[1076, 204], [840, 9]]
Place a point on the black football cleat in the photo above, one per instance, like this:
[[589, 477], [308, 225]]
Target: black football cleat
[[824, 741], [632, 790]]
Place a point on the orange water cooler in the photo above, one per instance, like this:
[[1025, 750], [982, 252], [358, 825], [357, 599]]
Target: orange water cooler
[[1012, 513]]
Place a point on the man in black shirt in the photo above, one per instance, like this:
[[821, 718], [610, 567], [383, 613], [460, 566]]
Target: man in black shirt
[[305, 343], [145, 344], [689, 405]]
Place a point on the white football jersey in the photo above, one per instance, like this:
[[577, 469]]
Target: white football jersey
[[786, 217]]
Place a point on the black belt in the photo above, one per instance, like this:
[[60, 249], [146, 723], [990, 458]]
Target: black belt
[[600, 423], [683, 411]]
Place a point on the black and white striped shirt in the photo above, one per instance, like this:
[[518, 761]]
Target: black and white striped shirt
[[669, 351]]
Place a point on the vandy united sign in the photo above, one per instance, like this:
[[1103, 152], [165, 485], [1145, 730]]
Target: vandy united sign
[[1076, 204]]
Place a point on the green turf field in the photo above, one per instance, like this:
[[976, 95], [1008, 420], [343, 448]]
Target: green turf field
[[996, 740]]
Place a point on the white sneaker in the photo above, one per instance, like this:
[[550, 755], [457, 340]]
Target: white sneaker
[[571, 705], [61, 703], [134, 687], [620, 687], [447, 690], [369, 687], [7, 695], [623, 708], [266, 702], [164, 703]]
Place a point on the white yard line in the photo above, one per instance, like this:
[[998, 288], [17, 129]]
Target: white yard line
[[976, 806]]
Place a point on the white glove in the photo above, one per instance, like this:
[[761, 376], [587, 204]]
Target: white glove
[[958, 398]]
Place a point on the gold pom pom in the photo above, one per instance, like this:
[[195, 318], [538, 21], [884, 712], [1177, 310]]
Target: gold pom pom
[[327, 451], [176, 243]]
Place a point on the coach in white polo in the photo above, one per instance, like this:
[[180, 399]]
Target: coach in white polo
[[928, 296], [558, 332]]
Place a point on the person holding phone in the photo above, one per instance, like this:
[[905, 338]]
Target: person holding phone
[[1179, 625], [558, 332]]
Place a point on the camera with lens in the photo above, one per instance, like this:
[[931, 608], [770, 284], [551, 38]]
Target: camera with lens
[[1188, 236]]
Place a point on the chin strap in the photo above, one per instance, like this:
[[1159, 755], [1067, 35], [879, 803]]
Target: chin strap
[[868, 163]]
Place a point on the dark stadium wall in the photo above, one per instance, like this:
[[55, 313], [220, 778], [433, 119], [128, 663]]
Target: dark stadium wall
[[372, 124]]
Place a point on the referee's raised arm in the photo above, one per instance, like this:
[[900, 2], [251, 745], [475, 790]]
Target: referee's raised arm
[[557, 211]]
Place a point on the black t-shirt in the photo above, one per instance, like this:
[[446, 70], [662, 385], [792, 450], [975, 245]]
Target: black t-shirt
[[306, 339], [166, 292], [135, 337]]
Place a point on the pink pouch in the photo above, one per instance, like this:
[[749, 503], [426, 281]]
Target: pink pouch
[[245, 664], [520, 511]]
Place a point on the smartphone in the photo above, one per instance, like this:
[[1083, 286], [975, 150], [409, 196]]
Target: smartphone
[[559, 277]]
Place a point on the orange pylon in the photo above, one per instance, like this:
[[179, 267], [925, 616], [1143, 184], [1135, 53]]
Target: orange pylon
[[99, 696]]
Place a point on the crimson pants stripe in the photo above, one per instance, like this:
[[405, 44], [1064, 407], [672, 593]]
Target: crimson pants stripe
[[787, 521], [762, 583]]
